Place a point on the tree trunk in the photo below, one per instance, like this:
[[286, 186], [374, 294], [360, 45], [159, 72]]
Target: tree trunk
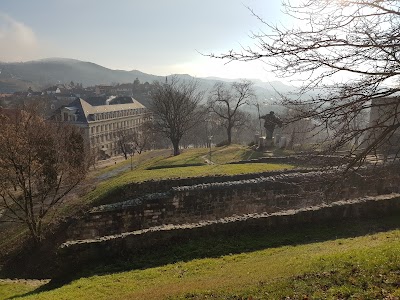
[[34, 234], [229, 132], [175, 144]]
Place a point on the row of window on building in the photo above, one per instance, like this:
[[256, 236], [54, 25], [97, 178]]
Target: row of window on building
[[118, 114], [116, 125]]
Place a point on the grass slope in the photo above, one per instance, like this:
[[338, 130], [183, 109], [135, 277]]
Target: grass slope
[[187, 164], [9, 290], [333, 261]]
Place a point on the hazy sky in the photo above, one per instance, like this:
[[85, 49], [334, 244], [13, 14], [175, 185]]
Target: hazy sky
[[154, 36]]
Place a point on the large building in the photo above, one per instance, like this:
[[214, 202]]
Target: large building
[[102, 125]]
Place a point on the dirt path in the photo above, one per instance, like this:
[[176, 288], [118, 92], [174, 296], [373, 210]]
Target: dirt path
[[208, 162]]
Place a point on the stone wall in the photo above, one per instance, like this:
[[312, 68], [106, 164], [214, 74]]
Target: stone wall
[[215, 200], [311, 160], [138, 189], [92, 250]]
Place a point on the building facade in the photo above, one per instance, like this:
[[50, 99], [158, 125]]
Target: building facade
[[102, 125]]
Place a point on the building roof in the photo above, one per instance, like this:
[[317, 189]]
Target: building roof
[[120, 100], [96, 101], [84, 109], [124, 86], [52, 88]]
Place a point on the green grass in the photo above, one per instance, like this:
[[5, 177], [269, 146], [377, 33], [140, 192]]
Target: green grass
[[219, 155], [137, 159], [188, 157], [8, 290], [226, 154], [301, 263]]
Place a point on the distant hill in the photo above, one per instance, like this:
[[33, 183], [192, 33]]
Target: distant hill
[[51, 71], [42, 73]]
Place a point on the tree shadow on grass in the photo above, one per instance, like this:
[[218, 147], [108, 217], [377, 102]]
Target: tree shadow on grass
[[218, 245]]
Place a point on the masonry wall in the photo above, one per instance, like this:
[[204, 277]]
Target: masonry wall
[[311, 160], [138, 189], [92, 250], [212, 201]]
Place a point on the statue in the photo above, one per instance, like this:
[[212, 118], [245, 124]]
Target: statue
[[270, 122]]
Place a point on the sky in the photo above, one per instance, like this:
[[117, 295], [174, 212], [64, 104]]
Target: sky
[[153, 36]]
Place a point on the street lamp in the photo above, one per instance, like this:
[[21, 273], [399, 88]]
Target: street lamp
[[209, 142], [132, 149]]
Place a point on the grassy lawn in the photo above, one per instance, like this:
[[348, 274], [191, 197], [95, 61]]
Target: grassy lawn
[[163, 167], [219, 155], [188, 157], [339, 261], [8, 290], [225, 154], [137, 159]]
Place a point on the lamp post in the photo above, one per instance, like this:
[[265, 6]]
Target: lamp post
[[209, 142], [259, 117], [132, 149]]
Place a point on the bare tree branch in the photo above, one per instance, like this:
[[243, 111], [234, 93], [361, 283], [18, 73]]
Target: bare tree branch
[[175, 105], [40, 162], [346, 54]]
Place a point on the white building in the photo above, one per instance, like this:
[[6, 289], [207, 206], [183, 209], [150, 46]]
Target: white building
[[101, 124]]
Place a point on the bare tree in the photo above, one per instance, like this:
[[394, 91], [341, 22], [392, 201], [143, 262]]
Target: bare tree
[[175, 109], [40, 163], [131, 140], [226, 103], [125, 140], [348, 54], [143, 137]]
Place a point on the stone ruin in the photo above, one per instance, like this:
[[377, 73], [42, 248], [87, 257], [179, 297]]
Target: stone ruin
[[210, 200], [131, 218]]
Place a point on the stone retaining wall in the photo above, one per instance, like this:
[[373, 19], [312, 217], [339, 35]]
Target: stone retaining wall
[[212, 201], [138, 189], [314, 160], [93, 250]]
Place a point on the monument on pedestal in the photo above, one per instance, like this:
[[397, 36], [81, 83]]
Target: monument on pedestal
[[270, 122]]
